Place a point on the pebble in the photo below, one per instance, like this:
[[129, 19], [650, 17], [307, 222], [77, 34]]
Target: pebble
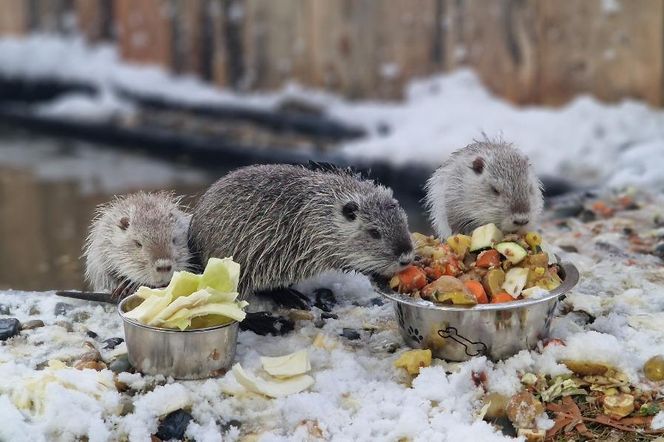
[[5, 310], [319, 323], [587, 216], [111, 343], [80, 316], [33, 323], [231, 423], [65, 324], [325, 299], [327, 315], [659, 251], [92, 355], [94, 365], [350, 334], [174, 425], [376, 301], [263, 323], [91, 334], [62, 308], [120, 364], [34, 311], [9, 327]]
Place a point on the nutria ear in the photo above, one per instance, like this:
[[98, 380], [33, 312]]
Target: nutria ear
[[349, 210], [478, 165], [124, 223]]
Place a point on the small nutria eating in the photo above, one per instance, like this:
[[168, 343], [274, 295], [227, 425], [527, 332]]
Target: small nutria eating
[[287, 223], [485, 182], [138, 239]]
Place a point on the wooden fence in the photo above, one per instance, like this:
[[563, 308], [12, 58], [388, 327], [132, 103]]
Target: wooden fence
[[528, 51]]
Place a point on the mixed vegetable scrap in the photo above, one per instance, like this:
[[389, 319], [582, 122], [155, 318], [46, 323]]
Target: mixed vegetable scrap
[[193, 301], [486, 267]]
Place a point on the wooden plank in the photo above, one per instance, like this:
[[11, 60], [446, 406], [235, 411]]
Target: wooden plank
[[145, 31], [94, 19], [610, 49], [498, 39], [14, 17]]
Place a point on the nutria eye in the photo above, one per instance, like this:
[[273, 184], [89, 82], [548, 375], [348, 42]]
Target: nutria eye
[[138, 244], [174, 241], [495, 191], [374, 233]]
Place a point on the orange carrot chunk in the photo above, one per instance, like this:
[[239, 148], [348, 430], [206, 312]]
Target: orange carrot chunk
[[477, 290], [501, 297], [412, 278], [488, 258]]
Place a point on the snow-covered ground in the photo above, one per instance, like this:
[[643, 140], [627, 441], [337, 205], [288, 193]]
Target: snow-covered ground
[[358, 394], [586, 141]]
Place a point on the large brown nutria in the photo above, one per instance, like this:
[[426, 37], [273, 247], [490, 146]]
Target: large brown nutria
[[287, 223]]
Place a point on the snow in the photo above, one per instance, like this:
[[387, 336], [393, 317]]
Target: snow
[[658, 421]]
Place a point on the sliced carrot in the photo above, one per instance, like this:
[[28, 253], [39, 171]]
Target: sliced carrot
[[477, 290], [452, 267], [488, 258], [501, 297], [434, 272], [412, 278]]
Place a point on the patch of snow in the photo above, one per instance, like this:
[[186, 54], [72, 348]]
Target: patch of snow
[[658, 421]]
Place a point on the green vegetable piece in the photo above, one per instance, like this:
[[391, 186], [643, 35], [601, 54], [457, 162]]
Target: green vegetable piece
[[485, 236], [512, 251], [222, 275], [183, 284]]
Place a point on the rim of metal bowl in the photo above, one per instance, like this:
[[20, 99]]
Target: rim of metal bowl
[[133, 322], [571, 279]]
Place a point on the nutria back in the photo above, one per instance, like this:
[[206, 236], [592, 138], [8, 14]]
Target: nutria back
[[287, 223], [485, 182], [139, 238]]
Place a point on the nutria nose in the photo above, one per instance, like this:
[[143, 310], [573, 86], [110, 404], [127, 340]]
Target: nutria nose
[[521, 221], [165, 268], [405, 261]]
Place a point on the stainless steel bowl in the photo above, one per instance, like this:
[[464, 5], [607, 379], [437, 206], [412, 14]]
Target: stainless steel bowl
[[188, 354], [498, 331]]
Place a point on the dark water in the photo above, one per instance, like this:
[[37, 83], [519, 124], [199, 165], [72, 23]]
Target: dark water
[[49, 189]]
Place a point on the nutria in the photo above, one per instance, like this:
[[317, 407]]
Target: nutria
[[484, 182], [287, 223], [138, 239]]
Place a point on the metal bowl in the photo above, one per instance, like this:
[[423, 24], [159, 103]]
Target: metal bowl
[[189, 354], [456, 333]]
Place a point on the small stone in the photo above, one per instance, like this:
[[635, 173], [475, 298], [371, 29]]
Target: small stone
[[91, 334], [65, 324], [62, 308], [327, 315], [111, 343], [350, 334], [325, 299], [5, 310], [120, 364], [319, 323], [659, 251], [92, 355], [34, 311], [80, 316], [587, 216], [225, 426], [376, 301], [9, 327], [33, 323], [569, 248], [174, 425]]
